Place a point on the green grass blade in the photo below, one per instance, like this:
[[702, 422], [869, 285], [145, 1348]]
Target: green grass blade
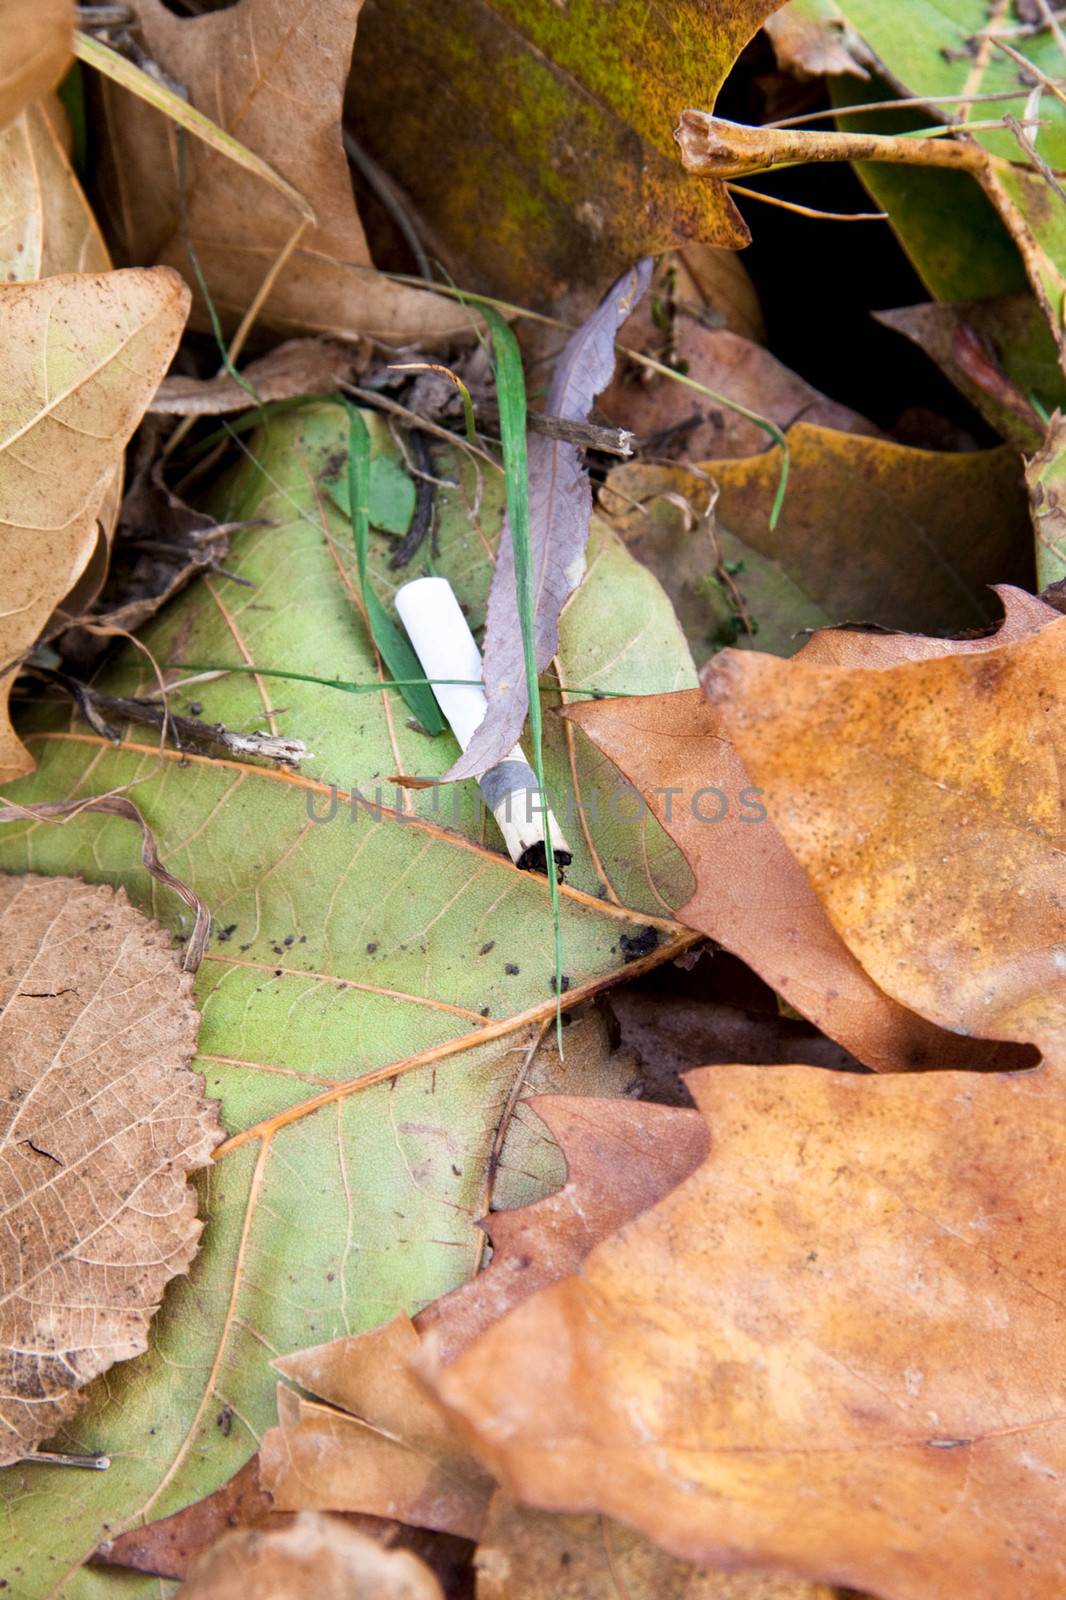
[[511, 398], [391, 645]]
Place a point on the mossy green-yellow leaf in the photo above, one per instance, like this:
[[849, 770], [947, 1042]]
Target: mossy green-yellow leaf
[[550, 127]]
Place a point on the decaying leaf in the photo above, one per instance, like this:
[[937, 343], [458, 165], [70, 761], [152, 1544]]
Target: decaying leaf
[[376, 969], [47, 225], [812, 40], [103, 1121], [297, 367], [1045, 475], [280, 94], [946, 525], [80, 358], [560, 509], [751, 895], [998, 352], [316, 1558], [723, 590], [834, 1349], [552, 165], [680, 421], [34, 51]]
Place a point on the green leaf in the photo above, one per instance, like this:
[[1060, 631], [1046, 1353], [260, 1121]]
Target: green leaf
[[944, 221], [391, 503], [391, 643], [342, 996]]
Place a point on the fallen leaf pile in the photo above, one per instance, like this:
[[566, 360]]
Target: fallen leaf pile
[[379, 1218]]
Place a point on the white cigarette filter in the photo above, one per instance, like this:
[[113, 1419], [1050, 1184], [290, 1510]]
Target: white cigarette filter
[[447, 649]]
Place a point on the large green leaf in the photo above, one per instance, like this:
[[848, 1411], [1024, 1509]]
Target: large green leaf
[[362, 1026]]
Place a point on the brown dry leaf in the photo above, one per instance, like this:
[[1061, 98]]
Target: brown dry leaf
[[80, 356], [650, 404], [946, 525], [751, 894], [35, 46], [47, 225], [315, 1558], [297, 367], [532, 1555], [281, 96], [836, 1348], [621, 1157], [812, 40], [964, 759], [170, 1547], [103, 1121], [380, 1443]]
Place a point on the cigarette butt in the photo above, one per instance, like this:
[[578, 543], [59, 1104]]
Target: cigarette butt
[[447, 649]]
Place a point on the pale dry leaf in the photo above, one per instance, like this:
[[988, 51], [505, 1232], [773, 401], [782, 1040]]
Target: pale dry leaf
[[80, 356], [297, 367], [560, 508], [35, 45], [46, 224], [102, 1121], [315, 1558], [281, 95]]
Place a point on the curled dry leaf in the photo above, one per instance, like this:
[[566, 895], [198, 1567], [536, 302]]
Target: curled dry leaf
[[80, 356], [102, 1122], [751, 894], [315, 1558], [560, 508], [552, 167], [34, 50], [875, 1400], [280, 95], [297, 367]]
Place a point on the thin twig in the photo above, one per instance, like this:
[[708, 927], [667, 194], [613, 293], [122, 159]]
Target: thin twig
[[909, 102], [1035, 157], [1034, 71], [186, 733], [808, 211]]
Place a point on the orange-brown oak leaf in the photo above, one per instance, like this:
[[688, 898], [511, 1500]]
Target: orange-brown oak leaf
[[752, 895], [836, 1347]]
